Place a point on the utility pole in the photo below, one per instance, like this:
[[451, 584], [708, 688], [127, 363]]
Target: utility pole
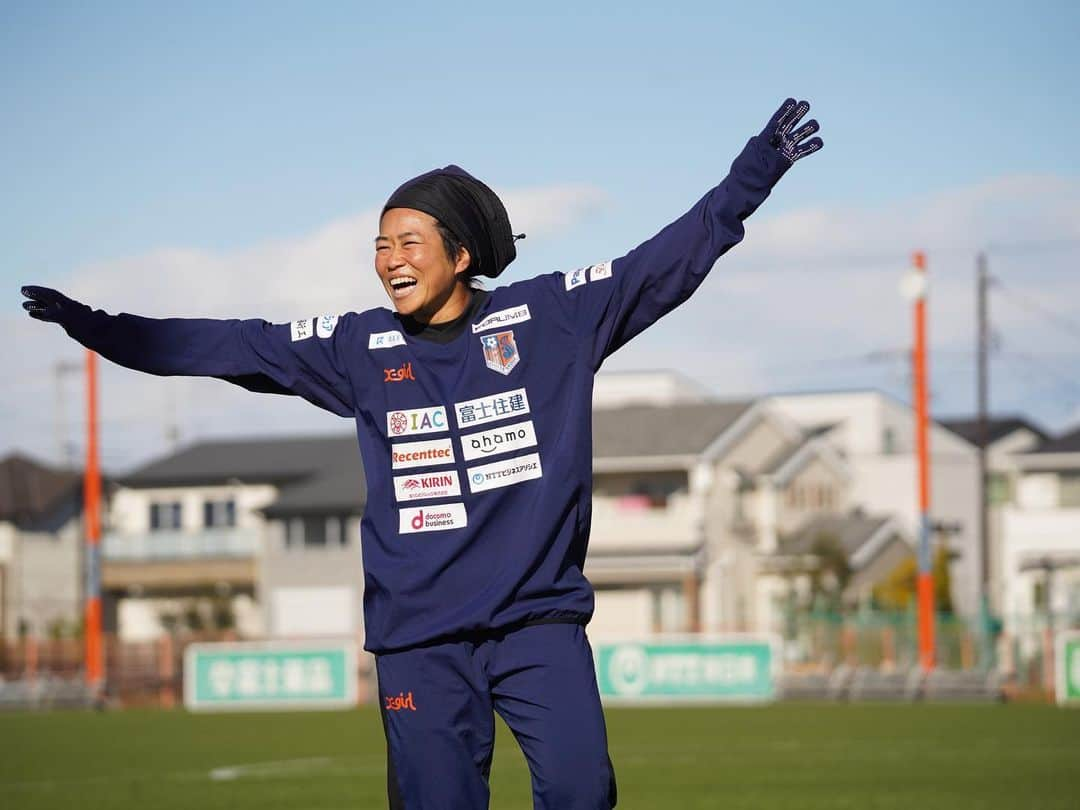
[[94, 658], [917, 291], [982, 342]]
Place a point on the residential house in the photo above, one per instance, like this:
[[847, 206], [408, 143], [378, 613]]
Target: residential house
[[235, 534], [1005, 436], [1041, 534], [41, 548], [708, 516], [875, 436]]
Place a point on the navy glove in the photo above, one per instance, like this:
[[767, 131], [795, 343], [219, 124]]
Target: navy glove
[[50, 305], [792, 145]]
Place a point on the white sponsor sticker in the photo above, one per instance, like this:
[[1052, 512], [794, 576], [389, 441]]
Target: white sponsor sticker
[[576, 278], [600, 271], [491, 408], [504, 473], [419, 420], [432, 518], [385, 340], [502, 318], [431, 453], [325, 325], [302, 329], [419, 486], [498, 440]]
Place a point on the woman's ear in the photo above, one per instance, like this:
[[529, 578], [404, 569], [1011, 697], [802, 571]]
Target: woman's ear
[[462, 263]]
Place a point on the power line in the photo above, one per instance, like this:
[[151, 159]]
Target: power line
[[1065, 323]]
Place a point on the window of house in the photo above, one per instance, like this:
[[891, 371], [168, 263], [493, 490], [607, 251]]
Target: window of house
[[998, 488], [165, 516], [316, 532], [1069, 487], [219, 514], [888, 441]]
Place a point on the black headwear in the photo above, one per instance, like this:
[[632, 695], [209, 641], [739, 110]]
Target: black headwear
[[471, 210]]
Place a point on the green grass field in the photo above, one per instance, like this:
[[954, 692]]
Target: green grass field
[[782, 757]]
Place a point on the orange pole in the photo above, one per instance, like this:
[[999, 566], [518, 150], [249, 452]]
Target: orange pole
[[92, 518], [926, 576]]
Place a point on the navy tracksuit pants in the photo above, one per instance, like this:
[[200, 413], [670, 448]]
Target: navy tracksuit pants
[[437, 703]]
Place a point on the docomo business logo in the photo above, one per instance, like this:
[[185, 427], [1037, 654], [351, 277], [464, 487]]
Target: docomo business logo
[[432, 518], [504, 473], [432, 485], [421, 454], [419, 420], [498, 440]]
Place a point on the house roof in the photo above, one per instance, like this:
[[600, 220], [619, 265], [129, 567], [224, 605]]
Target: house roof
[[1069, 443], [30, 489], [852, 531], [261, 460], [670, 430], [325, 473], [997, 427], [314, 474]]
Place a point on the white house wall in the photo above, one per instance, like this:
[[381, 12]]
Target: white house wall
[[884, 482], [129, 511]]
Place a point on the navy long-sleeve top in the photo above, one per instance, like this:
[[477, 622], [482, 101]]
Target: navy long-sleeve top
[[477, 448]]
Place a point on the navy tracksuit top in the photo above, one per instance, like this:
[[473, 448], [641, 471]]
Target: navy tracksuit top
[[477, 451]]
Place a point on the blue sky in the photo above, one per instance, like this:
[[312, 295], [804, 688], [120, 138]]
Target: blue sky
[[149, 138]]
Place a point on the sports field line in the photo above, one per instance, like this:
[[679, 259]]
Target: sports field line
[[270, 769]]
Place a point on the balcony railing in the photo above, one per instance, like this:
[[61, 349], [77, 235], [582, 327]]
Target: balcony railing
[[625, 524], [181, 545]]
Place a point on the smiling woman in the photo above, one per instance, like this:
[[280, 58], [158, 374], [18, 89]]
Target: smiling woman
[[474, 419], [425, 282]]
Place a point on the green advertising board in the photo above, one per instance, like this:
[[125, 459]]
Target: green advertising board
[[1068, 668], [270, 675], [688, 668]]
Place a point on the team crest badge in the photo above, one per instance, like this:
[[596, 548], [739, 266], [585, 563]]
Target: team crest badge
[[500, 351]]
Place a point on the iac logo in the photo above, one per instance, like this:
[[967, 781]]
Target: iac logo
[[398, 374], [420, 420]]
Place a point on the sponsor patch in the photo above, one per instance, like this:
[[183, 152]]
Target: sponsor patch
[[420, 486], [385, 340], [500, 351], [600, 271], [491, 408], [420, 420], [302, 329], [421, 454], [576, 278], [504, 473], [504, 317], [398, 374], [325, 325], [432, 518], [498, 440]]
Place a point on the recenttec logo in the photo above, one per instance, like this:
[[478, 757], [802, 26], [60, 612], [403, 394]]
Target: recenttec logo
[[433, 485], [498, 440], [431, 453], [420, 420], [504, 473], [432, 518]]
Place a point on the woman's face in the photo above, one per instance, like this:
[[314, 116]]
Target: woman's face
[[418, 275]]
